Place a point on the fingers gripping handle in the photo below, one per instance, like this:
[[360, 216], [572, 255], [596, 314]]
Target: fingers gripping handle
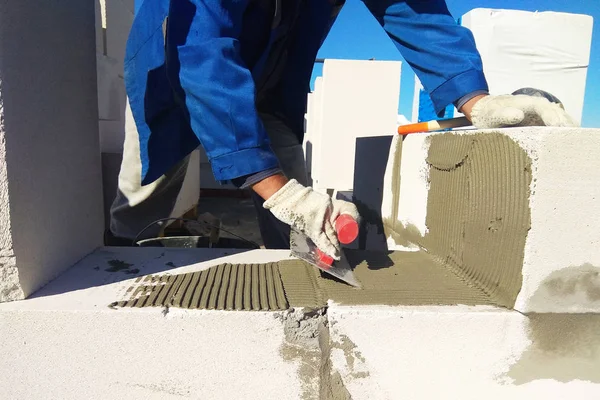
[[347, 231]]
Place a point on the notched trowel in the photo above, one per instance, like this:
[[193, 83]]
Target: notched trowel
[[304, 248]]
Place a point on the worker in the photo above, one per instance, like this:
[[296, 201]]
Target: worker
[[233, 76]]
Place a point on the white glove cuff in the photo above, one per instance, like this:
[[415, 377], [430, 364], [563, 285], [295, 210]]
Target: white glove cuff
[[288, 190], [479, 107]]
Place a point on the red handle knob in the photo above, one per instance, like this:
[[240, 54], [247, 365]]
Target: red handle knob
[[346, 228], [324, 258], [347, 231]]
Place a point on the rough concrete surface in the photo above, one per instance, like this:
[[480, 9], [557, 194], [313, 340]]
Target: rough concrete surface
[[10, 289], [565, 219], [523, 209], [394, 278], [478, 212], [464, 353], [161, 353], [303, 331], [136, 354], [50, 136], [106, 275], [476, 216], [333, 352]]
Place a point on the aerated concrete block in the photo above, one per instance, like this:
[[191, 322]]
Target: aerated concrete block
[[119, 17], [190, 190], [513, 211], [356, 99], [111, 90], [112, 135], [458, 352], [50, 175], [157, 352]]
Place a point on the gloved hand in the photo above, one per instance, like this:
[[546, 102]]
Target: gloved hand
[[311, 213], [518, 110]]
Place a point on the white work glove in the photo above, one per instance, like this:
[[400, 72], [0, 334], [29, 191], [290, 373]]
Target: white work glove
[[518, 110], [311, 213]]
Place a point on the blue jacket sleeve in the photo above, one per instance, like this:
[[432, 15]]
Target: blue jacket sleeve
[[209, 77], [441, 52]]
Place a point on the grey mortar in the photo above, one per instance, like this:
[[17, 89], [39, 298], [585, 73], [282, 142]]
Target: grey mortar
[[307, 342]]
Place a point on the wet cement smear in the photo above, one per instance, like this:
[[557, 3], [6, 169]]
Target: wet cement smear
[[300, 284], [354, 358], [304, 333], [309, 360], [243, 287], [392, 226], [117, 265], [564, 348], [394, 278], [568, 287], [387, 278], [478, 212]]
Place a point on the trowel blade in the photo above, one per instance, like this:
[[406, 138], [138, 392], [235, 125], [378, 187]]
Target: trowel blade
[[304, 248]]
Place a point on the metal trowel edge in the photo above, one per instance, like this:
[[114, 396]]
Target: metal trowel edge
[[304, 248]]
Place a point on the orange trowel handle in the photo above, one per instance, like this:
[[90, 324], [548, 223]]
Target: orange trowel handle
[[347, 231], [435, 125]]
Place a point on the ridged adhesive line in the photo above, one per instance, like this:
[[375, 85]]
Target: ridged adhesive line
[[478, 210], [300, 283], [256, 287]]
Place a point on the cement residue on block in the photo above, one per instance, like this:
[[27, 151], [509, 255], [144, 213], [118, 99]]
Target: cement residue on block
[[332, 385], [303, 331], [394, 278], [575, 288], [354, 358], [300, 283], [478, 213], [243, 287], [387, 278], [478, 210], [563, 348]]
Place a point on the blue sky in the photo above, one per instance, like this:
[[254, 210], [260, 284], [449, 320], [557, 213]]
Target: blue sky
[[371, 41]]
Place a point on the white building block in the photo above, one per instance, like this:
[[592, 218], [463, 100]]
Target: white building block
[[50, 162], [152, 353], [307, 142], [112, 135], [359, 99], [111, 90], [544, 50], [561, 254], [314, 122], [111, 82], [415, 107], [464, 353], [190, 190], [100, 12], [376, 352], [139, 354], [119, 17]]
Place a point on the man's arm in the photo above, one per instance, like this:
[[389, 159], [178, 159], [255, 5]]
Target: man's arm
[[217, 88], [441, 52], [444, 56], [270, 185], [467, 108]]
